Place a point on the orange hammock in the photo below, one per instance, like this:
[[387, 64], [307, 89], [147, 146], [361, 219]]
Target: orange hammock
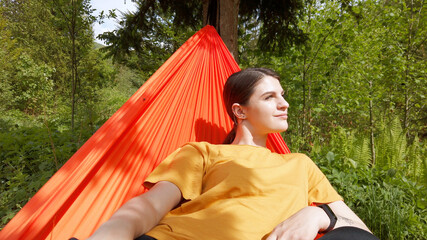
[[181, 102]]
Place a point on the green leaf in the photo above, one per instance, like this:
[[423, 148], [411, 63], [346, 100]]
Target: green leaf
[[330, 156]]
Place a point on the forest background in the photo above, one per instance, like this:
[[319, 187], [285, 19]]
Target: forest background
[[355, 78]]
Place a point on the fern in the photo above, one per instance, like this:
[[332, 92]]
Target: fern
[[398, 140], [393, 151], [414, 161], [391, 147], [360, 150]]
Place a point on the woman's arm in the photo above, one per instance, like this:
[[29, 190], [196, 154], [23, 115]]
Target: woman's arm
[[346, 217], [306, 223], [140, 214]]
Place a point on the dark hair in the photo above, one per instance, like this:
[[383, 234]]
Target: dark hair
[[238, 88]]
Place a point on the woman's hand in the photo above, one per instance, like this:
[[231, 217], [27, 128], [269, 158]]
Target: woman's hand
[[307, 222], [303, 225]]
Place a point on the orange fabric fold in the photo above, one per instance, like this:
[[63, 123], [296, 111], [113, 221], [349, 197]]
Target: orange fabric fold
[[181, 102]]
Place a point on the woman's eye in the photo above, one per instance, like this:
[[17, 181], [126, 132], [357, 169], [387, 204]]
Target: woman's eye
[[268, 97]]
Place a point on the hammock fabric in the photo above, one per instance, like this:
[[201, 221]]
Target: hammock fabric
[[181, 102]]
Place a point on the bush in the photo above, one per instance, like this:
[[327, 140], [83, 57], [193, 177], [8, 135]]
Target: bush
[[33, 85], [27, 160], [392, 206]]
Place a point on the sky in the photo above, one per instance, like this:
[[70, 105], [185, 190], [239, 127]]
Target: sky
[[109, 24]]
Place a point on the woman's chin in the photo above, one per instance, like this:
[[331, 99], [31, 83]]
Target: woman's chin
[[280, 129], [284, 127]]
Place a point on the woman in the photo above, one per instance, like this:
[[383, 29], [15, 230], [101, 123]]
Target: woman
[[240, 189]]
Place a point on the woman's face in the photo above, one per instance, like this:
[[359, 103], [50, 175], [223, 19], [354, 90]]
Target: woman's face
[[267, 110]]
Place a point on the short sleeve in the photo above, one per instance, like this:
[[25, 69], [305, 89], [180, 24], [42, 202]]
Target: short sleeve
[[319, 188], [184, 168]]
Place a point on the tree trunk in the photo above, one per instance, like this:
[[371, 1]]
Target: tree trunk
[[306, 89], [205, 11], [309, 119], [408, 84], [371, 123], [304, 99], [228, 21], [226, 24], [73, 63]]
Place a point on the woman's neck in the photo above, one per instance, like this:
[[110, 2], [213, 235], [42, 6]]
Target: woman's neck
[[245, 137]]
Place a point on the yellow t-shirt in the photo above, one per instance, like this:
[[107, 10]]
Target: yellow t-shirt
[[236, 191]]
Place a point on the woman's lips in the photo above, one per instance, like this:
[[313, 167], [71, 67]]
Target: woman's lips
[[284, 116]]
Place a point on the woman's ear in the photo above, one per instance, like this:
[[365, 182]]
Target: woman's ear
[[238, 111]]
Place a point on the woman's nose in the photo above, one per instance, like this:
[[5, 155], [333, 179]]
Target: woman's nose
[[283, 104]]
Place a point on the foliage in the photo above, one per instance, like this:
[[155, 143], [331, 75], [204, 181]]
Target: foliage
[[33, 148], [127, 83], [32, 92], [160, 26], [8, 54], [145, 39], [279, 29], [35, 32], [35, 133], [353, 57], [393, 206], [28, 161]]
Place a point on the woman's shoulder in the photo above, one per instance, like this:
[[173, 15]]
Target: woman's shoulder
[[208, 147], [213, 148], [199, 144], [299, 156], [204, 148]]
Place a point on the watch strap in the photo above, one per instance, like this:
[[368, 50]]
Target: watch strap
[[332, 217]]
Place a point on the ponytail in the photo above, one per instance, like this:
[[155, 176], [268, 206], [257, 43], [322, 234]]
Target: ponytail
[[230, 136]]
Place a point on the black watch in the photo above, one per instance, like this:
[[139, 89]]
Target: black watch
[[331, 216]]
